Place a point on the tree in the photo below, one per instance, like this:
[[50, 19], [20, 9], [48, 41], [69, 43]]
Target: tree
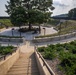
[[18, 17], [72, 13], [36, 11], [16, 12]]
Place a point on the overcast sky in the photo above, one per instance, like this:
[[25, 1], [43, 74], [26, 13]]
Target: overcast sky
[[61, 6]]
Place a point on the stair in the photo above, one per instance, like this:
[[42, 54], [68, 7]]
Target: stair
[[25, 65]]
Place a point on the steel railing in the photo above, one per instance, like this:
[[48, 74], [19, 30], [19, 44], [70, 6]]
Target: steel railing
[[44, 62]]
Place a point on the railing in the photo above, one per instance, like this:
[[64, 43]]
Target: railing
[[45, 63], [3, 57]]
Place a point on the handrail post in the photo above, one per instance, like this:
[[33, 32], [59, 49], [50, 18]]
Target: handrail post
[[4, 57], [44, 63]]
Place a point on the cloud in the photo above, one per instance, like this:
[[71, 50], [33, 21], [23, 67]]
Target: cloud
[[62, 6]]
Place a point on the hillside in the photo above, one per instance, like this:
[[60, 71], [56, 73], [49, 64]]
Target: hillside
[[5, 23]]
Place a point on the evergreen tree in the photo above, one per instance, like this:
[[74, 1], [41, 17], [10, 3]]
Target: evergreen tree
[[72, 13]]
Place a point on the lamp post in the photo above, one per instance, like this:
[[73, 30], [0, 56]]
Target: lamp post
[[20, 34], [61, 21], [12, 31], [44, 31]]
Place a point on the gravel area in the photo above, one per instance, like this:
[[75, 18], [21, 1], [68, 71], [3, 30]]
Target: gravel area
[[54, 66]]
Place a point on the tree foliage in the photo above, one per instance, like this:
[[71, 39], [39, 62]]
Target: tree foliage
[[72, 13], [29, 11], [18, 17]]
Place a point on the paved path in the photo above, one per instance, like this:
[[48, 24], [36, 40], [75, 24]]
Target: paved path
[[26, 64], [28, 35]]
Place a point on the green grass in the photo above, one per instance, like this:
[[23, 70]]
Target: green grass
[[6, 22], [53, 22], [66, 28]]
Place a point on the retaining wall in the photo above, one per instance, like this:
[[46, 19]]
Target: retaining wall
[[17, 40], [6, 64], [54, 38], [44, 68]]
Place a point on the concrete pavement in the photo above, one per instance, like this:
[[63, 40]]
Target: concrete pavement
[[28, 35]]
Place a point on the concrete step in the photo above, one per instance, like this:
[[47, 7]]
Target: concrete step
[[25, 65], [19, 69], [26, 74], [23, 71]]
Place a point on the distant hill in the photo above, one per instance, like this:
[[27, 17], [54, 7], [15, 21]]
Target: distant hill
[[61, 15], [4, 17]]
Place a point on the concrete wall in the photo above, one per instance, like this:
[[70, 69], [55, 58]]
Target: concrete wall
[[42, 68], [5, 65], [17, 40], [54, 38], [2, 29]]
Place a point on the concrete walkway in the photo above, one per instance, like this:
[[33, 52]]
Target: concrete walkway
[[26, 64], [28, 35]]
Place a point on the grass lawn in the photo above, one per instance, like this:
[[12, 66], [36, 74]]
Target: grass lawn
[[66, 27], [6, 23]]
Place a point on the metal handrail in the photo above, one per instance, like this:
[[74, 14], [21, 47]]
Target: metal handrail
[[45, 63], [4, 56]]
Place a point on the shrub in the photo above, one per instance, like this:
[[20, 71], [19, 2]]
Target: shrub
[[63, 55], [73, 50], [66, 53], [6, 50], [65, 62], [49, 53], [59, 48], [73, 43], [59, 45], [11, 47], [68, 64], [41, 49], [52, 46], [65, 44], [68, 46]]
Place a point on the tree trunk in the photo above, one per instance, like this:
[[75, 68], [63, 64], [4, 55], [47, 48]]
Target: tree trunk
[[39, 29]]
